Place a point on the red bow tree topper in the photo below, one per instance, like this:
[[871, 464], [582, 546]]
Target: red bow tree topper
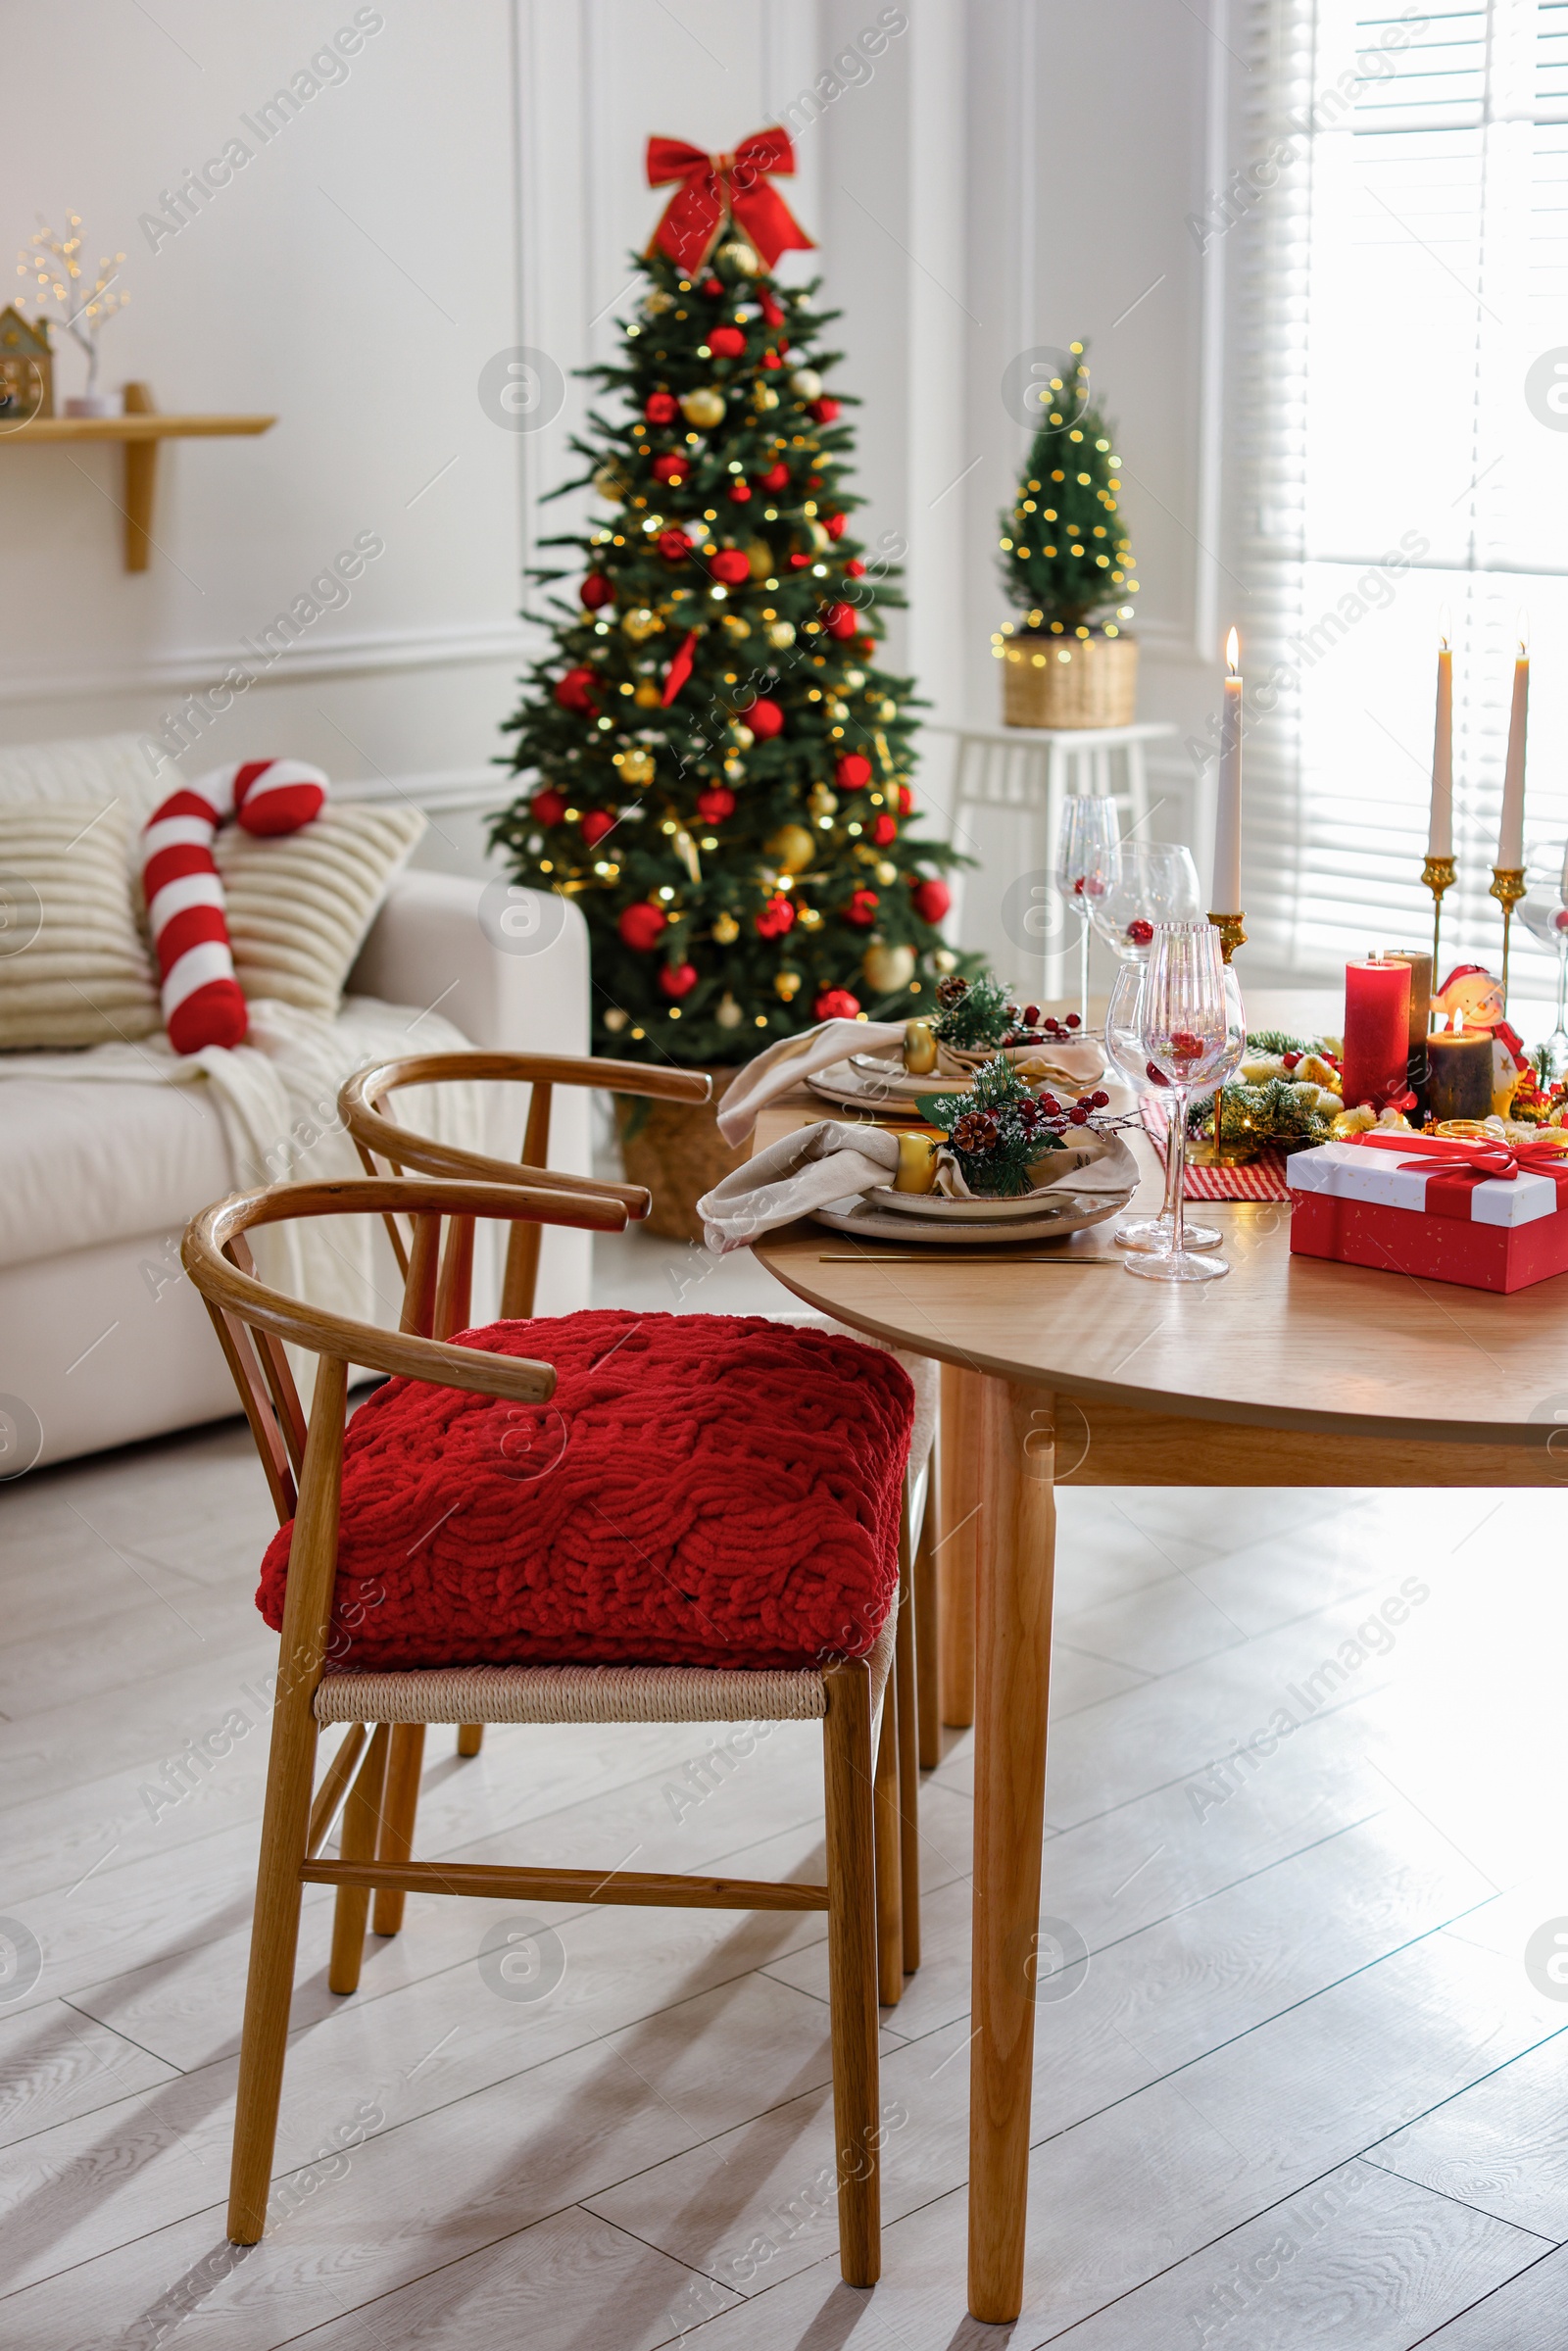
[[716, 188]]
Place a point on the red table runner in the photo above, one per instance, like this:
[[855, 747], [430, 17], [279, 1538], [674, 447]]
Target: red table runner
[[1262, 1178]]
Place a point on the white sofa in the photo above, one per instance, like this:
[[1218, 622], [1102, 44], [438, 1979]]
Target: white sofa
[[102, 1337]]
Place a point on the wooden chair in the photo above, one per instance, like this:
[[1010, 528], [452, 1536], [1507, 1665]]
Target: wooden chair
[[386, 1711], [909, 1715]]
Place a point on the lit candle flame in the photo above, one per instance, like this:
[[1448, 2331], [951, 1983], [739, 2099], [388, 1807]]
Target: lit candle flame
[[1233, 654], [1524, 634], [1445, 630], [1458, 1020]]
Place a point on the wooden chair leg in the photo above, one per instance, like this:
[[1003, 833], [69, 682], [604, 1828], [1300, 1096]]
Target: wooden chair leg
[[851, 1968], [361, 1835], [928, 1629], [888, 1836], [957, 1541], [404, 1764], [470, 1738], [909, 1783]]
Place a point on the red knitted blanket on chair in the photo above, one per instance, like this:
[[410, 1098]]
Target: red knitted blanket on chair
[[701, 1490]]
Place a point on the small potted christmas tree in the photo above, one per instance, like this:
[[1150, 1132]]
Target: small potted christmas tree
[[717, 771], [1067, 566]]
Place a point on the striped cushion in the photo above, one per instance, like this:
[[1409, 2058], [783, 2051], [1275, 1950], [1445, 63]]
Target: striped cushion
[[299, 908], [73, 966]]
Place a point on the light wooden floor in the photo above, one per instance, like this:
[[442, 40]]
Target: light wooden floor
[[1304, 2095]]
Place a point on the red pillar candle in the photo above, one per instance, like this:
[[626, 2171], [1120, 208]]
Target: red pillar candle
[[1377, 1031]]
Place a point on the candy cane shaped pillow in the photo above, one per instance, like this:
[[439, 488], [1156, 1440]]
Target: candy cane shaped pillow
[[202, 999]]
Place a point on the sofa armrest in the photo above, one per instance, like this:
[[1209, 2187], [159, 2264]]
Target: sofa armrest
[[427, 948]]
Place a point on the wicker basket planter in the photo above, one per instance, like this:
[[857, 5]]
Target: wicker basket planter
[[678, 1152], [1068, 681]]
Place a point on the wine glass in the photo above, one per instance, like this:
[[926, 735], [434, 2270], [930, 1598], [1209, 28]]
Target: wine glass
[[1086, 848], [1543, 912], [1188, 1026], [1128, 1060], [1149, 882]]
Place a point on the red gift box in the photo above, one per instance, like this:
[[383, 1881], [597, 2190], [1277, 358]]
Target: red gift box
[[1488, 1216]]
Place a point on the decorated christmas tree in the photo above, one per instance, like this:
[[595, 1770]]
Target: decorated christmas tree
[[1066, 560], [719, 772]]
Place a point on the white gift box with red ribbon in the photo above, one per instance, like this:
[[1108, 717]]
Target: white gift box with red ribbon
[[1487, 1215]]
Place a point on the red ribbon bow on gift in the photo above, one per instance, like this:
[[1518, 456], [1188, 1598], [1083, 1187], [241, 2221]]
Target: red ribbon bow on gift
[[719, 187], [1456, 1166]]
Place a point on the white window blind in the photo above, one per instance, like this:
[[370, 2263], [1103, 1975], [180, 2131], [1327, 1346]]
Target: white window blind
[[1399, 284]]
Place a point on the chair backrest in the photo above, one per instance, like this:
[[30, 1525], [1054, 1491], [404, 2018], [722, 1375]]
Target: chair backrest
[[254, 1321], [361, 1101]]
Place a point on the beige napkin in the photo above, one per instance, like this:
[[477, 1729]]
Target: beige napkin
[[832, 1161], [783, 1066]]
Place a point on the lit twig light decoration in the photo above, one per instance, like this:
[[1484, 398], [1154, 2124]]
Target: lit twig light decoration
[[54, 262]]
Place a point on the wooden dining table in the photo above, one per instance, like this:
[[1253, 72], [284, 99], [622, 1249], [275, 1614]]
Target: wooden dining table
[[1293, 1371]]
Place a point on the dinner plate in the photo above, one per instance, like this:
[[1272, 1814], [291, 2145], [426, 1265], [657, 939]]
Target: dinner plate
[[1027, 1206], [855, 1089], [863, 1219]]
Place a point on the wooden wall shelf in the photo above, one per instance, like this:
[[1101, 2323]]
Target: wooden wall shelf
[[139, 430]]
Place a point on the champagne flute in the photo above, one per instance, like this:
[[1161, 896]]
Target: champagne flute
[[1086, 848], [1543, 912], [1188, 1025], [1128, 1060]]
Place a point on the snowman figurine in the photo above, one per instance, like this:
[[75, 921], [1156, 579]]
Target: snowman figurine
[[1471, 991]]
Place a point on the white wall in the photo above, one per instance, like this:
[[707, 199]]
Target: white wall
[[1001, 173]]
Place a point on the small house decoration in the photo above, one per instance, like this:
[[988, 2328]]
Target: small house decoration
[[26, 368]]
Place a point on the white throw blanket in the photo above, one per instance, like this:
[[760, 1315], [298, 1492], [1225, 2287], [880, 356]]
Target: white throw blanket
[[830, 1161], [276, 1100]]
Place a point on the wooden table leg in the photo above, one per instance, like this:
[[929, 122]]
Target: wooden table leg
[[1012, 1650], [959, 1495]]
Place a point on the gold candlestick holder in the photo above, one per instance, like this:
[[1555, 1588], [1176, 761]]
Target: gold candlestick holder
[[1438, 875], [1219, 1153], [1507, 888]]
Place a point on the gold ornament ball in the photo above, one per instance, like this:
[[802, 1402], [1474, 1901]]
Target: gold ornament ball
[[792, 847], [658, 302], [640, 622], [637, 767], [648, 696], [887, 873], [615, 1020], [611, 484], [806, 384], [729, 1014], [782, 632], [744, 737], [703, 407], [807, 918], [765, 397], [741, 257], [787, 985], [943, 960], [889, 710], [888, 968], [736, 626], [759, 562], [822, 801], [820, 537], [727, 930]]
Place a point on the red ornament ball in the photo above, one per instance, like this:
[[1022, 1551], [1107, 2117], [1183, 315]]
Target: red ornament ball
[[767, 304], [547, 807], [834, 524], [778, 477], [715, 804], [726, 342], [932, 900], [660, 407], [853, 773], [776, 917], [675, 546], [680, 981], [836, 1004], [764, 718], [903, 799], [862, 909], [641, 926], [730, 566], [740, 492], [883, 831], [672, 468], [713, 289], [595, 825], [770, 359], [594, 591], [824, 411], [1139, 932], [575, 691], [839, 620], [798, 563], [854, 569]]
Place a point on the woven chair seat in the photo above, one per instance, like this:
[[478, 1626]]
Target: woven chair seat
[[591, 1694]]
